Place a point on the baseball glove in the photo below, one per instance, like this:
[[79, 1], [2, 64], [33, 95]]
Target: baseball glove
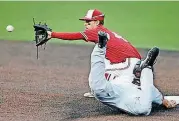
[[41, 35]]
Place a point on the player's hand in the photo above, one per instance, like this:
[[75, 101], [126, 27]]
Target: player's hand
[[169, 103], [49, 34]]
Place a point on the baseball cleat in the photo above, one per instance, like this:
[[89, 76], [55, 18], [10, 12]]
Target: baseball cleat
[[148, 62], [89, 94], [151, 57], [102, 36]]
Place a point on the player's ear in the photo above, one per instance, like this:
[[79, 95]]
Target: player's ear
[[97, 22]]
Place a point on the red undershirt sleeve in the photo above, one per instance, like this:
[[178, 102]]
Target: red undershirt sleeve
[[68, 35]]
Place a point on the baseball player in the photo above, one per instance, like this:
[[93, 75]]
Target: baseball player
[[118, 77], [121, 92], [120, 54]]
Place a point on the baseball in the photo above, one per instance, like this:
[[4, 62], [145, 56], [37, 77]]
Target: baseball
[[9, 28]]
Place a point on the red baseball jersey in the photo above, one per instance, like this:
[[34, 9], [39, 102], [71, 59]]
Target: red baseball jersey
[[117, 49]]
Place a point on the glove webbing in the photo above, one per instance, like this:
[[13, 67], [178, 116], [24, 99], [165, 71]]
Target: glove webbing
[[36, 40]]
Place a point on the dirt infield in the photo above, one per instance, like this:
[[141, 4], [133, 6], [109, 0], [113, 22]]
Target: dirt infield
[[51, 88]]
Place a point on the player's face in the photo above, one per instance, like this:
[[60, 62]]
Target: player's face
[[91, 24]]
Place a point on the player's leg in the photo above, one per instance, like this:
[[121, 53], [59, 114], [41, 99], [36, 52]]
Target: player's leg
[[89, 94], [110, 75], [94, 55], [152, 94], [156, 97], [97, 73], [98, 83], [149, 92], [98, 65]]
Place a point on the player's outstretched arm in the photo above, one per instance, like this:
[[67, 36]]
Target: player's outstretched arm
[[65, 35]]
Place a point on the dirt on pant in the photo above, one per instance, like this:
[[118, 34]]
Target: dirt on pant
[[52, 87]]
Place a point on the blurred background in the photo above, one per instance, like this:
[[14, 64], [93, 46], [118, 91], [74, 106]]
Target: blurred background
[[143, 23]]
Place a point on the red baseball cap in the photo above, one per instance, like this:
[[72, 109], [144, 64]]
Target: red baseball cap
[[93, 15]]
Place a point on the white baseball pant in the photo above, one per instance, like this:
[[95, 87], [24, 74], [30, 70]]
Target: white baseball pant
[[120, 92]]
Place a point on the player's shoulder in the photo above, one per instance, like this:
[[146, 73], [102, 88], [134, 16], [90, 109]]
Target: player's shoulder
[[104, 29], [97, 29], [101, 27]]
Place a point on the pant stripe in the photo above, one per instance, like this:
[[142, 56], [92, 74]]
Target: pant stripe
[[114, 69]]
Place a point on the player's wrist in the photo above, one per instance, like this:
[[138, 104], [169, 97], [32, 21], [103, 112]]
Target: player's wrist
[[51, 34]]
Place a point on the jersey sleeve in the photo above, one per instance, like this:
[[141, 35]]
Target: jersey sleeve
[[68, 36], [90, 35]]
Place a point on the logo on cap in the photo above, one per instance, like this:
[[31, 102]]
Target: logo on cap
[[93, 15]]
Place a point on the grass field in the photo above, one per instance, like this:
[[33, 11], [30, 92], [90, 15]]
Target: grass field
[[144, 24]]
